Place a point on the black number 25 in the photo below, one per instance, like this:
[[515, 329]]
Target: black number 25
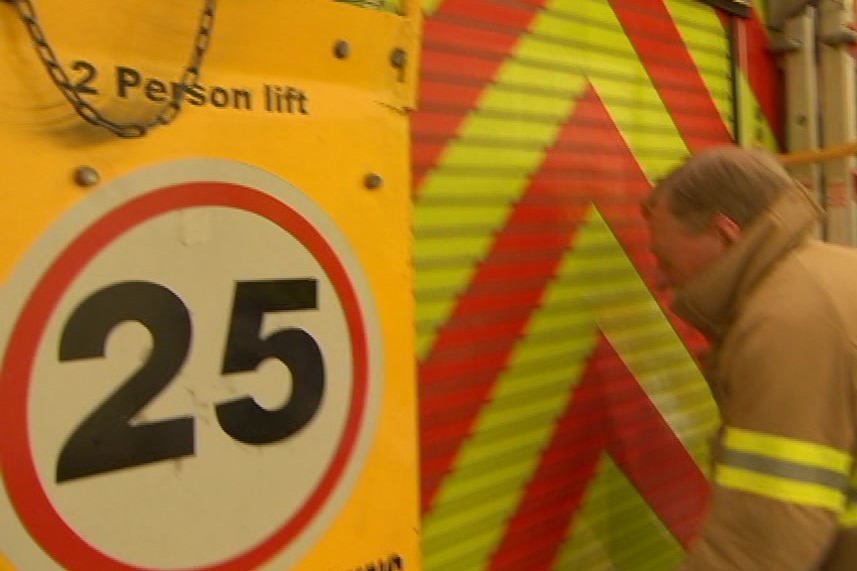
[[109, 438]]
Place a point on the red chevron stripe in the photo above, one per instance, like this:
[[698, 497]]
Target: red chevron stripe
[[591, 160], [609, 412], [515, 16], [459, 373], [459, 60], [662, 51], [535, 534], [647, 450], [461, 370], [472, 349]]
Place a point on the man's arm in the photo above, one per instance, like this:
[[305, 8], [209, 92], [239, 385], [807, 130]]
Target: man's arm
[[783, 468]]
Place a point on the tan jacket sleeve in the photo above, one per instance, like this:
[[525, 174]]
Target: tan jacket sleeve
[[782, 466]]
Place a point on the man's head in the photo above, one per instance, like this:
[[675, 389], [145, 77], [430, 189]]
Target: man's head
[[697, 212]]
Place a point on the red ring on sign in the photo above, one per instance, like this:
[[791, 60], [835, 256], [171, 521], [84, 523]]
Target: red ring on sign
[[16, 457]]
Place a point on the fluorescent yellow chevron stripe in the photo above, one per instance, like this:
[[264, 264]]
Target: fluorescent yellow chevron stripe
[[635, 105], [761, 6], [512, 426], [470, 237], [755, 128], [592, 46], [431, 6], [650, 347], [616, 529], [484, 488], [5, 565], [583, 549], [708, 44], [601, 51]]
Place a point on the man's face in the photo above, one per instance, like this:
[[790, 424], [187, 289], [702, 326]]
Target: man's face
[[682, 253]]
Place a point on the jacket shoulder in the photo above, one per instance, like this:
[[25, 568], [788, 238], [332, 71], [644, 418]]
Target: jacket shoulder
[[815, 287]]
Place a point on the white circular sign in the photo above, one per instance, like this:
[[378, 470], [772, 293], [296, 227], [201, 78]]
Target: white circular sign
[[190, 376]]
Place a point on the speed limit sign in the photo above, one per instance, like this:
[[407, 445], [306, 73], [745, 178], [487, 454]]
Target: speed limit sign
[[190, 376]]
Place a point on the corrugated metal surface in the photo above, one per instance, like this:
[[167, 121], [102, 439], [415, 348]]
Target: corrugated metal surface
[[550, 378]]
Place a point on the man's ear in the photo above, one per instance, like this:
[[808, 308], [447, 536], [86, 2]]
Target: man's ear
[[727, 228]]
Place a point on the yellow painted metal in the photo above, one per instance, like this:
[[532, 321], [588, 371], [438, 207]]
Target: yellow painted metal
[[355, 123]]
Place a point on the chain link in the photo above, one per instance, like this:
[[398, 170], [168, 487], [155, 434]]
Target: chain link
[[167, 113]]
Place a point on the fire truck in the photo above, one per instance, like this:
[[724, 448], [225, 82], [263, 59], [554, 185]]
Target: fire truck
[[363, 285]]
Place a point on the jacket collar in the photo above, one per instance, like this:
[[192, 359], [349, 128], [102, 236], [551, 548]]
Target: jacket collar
[[711, 301]]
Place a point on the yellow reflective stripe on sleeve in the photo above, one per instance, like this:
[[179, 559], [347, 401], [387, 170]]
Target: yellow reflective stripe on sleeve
[[849, 516], [803, 493], [788, 449], [784, 469]]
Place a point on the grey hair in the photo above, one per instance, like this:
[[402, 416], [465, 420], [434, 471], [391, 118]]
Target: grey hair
[[736, 182]]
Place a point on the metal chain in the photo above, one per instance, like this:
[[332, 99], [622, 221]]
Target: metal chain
[[168, 112]]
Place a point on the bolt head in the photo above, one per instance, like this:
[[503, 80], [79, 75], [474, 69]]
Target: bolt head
[[399, 58], [86, 176], [341, 49], [373, 181]]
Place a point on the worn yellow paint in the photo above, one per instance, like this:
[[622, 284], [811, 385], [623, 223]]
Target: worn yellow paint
[[382, 5], [326, 153]]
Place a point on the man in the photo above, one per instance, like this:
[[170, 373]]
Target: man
[[733, 234]]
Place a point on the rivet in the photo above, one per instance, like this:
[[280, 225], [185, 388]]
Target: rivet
[[373, 181], [399, 58], [86, 176], [341, 49]]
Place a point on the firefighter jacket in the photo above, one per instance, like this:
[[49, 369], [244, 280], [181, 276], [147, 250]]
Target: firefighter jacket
[[780, 310]]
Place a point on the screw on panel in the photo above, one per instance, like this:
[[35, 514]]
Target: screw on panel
[[399, 58], [373, 181], [86, 176], [341, 49]]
